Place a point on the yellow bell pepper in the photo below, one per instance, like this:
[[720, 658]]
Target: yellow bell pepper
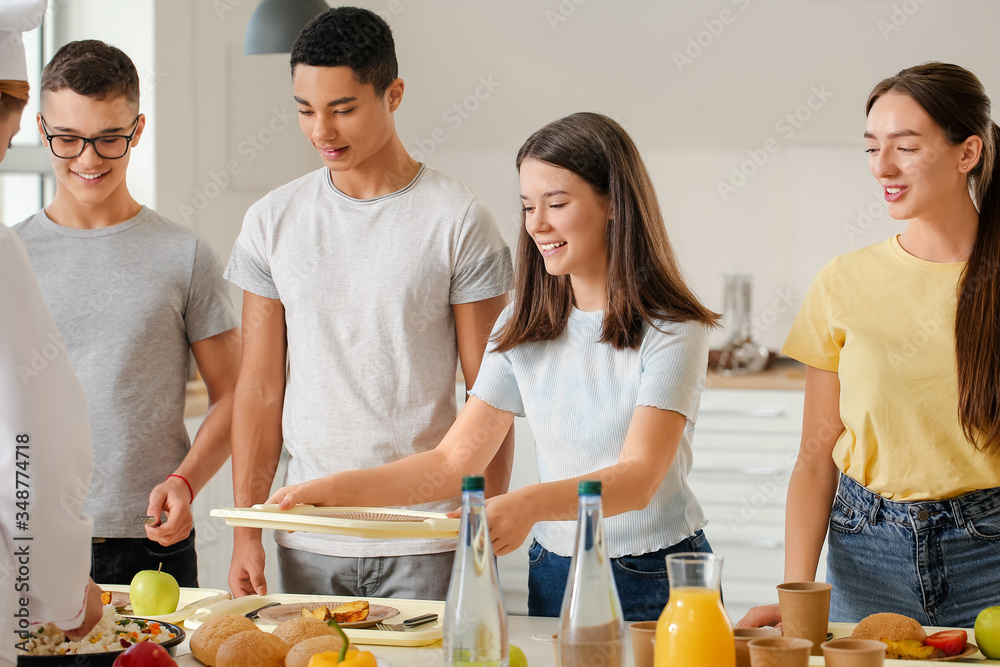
[[354, 658], [345, 657], [359, 659], [325, 659]]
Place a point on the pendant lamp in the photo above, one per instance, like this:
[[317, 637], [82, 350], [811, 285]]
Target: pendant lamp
[[276, 23]]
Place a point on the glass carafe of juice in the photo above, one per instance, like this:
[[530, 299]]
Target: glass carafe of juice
[[694, 629]]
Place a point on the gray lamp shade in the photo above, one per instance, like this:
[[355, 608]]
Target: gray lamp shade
[[276, 23]]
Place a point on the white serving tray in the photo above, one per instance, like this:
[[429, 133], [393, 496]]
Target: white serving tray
[[396, 524], [419, 636]]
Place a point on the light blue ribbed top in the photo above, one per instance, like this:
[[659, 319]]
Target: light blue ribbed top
[[578, 396]]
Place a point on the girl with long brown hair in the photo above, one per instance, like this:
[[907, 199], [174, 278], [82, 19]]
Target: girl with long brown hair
[[901, 433], [604, 350]]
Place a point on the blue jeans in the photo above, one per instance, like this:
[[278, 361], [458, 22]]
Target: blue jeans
[[935, 561], [116, 560], [641, 580]]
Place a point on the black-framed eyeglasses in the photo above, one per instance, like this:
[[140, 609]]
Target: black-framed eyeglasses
[[109, 146]]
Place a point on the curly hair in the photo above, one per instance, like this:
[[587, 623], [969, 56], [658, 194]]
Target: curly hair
[[349, 37], [94, 69]]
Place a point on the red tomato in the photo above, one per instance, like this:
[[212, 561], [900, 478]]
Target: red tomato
[[145, 654], [952, 642]]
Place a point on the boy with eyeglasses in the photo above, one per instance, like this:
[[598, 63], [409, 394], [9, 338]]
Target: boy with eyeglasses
[[371, 276], [133, 294]]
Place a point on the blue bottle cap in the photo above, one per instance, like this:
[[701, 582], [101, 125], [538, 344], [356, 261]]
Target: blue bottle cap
[[589, 487]]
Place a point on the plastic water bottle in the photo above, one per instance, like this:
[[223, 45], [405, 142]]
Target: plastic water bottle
[[475, 620], [591, 627]]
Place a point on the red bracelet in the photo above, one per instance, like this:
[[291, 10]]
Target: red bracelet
[[186, 482]]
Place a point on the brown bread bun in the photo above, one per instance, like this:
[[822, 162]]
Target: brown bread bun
[[252, 649], [301, 652], [891, 626], [300, 628], [207, 639]]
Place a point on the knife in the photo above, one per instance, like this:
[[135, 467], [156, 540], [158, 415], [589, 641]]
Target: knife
[[408, 623], [252, 615]]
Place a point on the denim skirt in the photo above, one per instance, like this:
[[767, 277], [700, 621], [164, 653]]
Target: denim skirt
[[935, 561]]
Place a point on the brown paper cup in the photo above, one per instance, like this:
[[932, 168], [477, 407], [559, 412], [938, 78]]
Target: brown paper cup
[[779, 652], [642, 633], [744, 635], [848, 652], [805, 611]]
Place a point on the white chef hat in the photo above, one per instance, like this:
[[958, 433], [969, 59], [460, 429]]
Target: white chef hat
[[16, 17]]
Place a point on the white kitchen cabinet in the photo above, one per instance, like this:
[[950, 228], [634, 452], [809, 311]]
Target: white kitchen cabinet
[[745, 445]]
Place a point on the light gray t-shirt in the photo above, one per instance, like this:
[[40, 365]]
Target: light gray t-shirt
[[367, 287], [129, 300], [579, 394]]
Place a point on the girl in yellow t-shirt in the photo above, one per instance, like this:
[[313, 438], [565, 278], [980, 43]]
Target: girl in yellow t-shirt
[[901, 433]]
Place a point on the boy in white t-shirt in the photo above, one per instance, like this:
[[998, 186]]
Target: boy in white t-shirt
[[372, 276]]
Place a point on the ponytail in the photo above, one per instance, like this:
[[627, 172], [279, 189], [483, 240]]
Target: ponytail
[[977, 322]]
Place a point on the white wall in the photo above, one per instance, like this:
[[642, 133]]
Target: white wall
[[694, 120]]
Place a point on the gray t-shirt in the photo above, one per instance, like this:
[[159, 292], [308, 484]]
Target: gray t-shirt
[[129, 300], [367, 287]]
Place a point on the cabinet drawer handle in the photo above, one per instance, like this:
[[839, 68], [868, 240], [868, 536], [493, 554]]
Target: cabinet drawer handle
[[765, 544], [754, 472], [758, 544], [772, 413]]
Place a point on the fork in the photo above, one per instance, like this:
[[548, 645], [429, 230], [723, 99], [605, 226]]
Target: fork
[[408, 623]]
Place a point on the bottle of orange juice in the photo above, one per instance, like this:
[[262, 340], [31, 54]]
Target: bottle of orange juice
[[694, 629]]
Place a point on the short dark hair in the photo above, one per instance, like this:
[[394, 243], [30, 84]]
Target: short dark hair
[[349, 37], [94, 69]]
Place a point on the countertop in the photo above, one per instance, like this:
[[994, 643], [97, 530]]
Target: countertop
[[533, 635], [784, 373]]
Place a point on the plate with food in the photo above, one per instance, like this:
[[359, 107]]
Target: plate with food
[[354, 614], [48, 646], [906, 639]]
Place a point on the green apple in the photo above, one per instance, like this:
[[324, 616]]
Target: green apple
[[153, 593], [988, 632], [517, 657]]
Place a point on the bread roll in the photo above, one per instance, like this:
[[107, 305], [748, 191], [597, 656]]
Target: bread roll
[[252, 649], [299, 628], [299, 654], [207, 639], [889, 626]]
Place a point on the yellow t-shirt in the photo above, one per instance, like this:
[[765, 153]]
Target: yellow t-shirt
[[884, 321]]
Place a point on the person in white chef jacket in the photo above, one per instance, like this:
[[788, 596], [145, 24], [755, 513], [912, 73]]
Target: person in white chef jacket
[[45, 454]]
